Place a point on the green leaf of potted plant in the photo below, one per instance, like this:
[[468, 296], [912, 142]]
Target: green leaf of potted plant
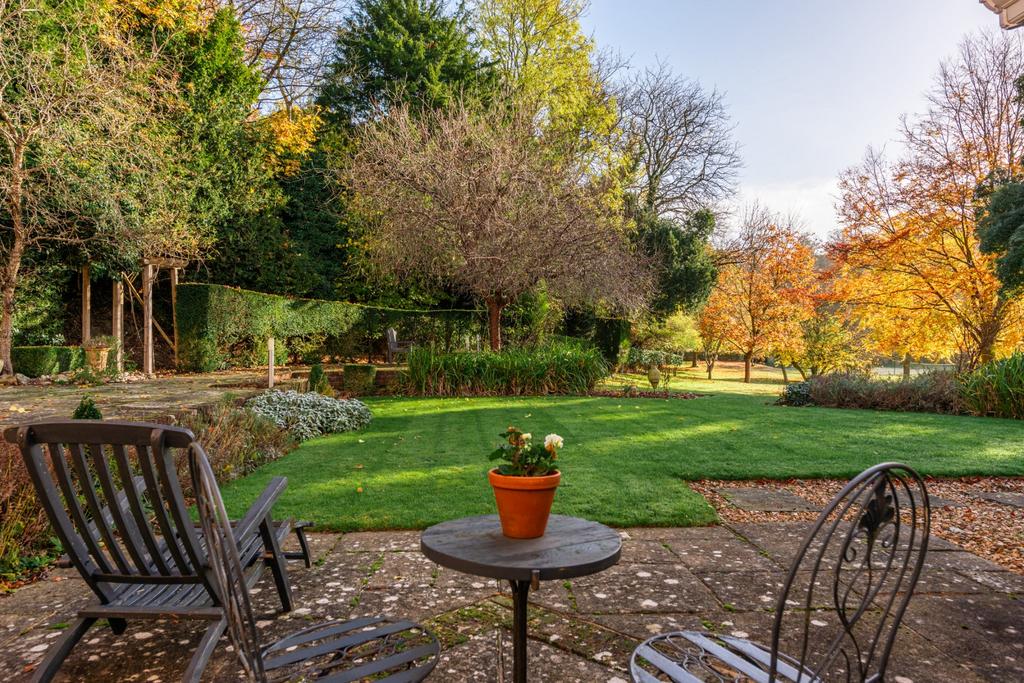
[[524, 485]]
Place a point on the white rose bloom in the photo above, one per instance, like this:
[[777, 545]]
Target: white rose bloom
[[527, 436], [552, 440]]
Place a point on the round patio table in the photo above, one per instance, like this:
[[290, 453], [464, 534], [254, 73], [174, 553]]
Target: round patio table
[[569, 548]]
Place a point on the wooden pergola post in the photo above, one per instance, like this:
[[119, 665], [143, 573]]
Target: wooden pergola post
[[148, 275], [174, 312], [86, 305], [117, 321]]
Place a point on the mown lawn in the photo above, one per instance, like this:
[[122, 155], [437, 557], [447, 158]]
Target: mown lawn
[[625, 462]]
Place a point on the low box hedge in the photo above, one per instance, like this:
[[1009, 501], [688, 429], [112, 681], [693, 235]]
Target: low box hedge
[[36, 361], [359, 379]]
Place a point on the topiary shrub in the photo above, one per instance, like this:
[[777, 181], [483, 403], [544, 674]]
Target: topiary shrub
[[359, 379], [36, 361], [87, 410], [996, 388], [318, 380], [309, 415]]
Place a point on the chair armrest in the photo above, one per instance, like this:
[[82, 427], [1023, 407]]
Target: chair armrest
[[261, 508]]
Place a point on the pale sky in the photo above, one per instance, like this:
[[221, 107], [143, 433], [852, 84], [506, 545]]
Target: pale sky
[[809, 83]]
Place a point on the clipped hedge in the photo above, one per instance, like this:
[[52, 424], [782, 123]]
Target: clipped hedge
[[36, 361], [563, 368], [220, 326]]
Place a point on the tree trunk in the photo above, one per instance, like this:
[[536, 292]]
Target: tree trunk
[[747, 358], [711, 367], [693, 360], [494, 306], [803, 373], [785, 374], [9, 275], [906, 367]]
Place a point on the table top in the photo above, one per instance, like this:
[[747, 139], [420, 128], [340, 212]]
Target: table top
[[475, 545]]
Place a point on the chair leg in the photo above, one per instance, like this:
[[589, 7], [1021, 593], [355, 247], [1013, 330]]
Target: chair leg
[[59, 651], [194, 672], [118, 626], [277, 562], [300, 531]]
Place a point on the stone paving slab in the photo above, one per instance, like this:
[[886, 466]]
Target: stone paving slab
[[1010, 498], [150, 399], [965, 624], [754, 499]]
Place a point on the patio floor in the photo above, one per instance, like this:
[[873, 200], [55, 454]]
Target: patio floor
[[965, 624]]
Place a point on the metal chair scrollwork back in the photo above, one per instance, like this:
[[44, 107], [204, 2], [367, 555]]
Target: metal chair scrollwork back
[[858, 567], [374, 648]]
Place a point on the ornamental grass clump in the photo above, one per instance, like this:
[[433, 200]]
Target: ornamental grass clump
[[309, 415], [562, 368], [996, 388]]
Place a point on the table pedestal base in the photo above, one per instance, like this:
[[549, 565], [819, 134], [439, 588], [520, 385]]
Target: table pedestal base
[[520, 593]]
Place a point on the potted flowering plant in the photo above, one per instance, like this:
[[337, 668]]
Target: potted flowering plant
[[524, 485]]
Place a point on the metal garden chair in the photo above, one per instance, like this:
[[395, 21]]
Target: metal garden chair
[[114, 499], [862, 558], [370, 648]]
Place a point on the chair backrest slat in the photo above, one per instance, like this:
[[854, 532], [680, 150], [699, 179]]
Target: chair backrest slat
[[176, 501], [117, 497], [84, 529], [50, 498], [113, 495], [87, 486], [154, 492], [142, 526], [876, 532]]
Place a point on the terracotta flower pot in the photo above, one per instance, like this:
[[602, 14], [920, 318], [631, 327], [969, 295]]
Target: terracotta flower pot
[[96, 357], [524, 503]]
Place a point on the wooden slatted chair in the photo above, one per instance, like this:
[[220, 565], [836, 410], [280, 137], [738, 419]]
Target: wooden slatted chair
[[395, 345], [112, 493], [862, 559], [368, 648]]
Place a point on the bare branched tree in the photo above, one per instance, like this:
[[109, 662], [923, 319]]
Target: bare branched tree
[[680, 136], [472, 199], [80, 159], [290, 41]]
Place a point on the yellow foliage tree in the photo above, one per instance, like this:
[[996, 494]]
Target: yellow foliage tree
[[908, 253], [766, 290]]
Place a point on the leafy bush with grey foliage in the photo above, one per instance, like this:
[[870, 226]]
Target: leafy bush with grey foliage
[[933, 392], [310, 415], [796, 394]]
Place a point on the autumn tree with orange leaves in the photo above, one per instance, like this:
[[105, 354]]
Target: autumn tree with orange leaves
[[907, 258], [766, 290]]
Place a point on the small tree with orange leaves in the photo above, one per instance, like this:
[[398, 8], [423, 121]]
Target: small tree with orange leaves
[[765, 293]]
